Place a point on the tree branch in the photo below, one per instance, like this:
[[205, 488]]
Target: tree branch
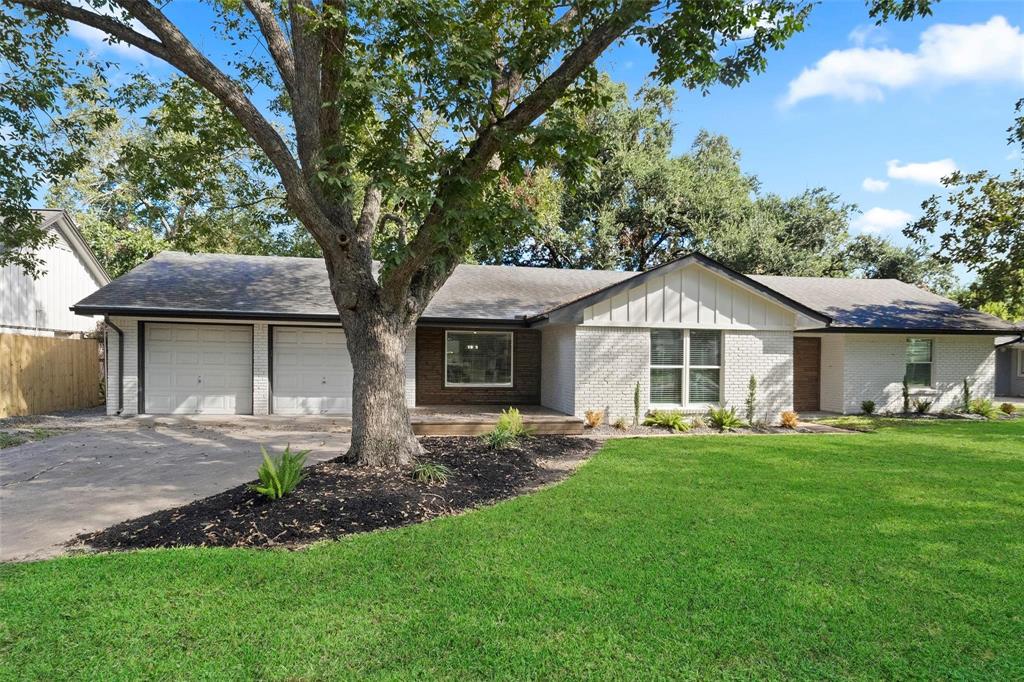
[[277, 42], [108, 25]]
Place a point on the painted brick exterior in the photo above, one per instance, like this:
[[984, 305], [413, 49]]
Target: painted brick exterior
[[874, 365], [609, 362], [260, 369], [430, 388], [558, 360], [833, 349], [768, 356], [130, 327]]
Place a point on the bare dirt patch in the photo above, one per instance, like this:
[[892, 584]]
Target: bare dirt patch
[[337, 499]]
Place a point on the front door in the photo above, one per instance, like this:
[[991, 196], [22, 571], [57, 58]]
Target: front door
[[806, 374]]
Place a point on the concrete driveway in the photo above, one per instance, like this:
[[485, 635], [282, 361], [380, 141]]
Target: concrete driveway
[[119, 468]]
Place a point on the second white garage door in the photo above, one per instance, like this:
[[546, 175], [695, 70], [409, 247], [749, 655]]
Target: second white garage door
[[312, 371]]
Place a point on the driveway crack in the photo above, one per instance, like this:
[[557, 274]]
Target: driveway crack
[[39, 473]]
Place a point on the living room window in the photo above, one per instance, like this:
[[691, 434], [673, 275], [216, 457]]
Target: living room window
[[476, 358], [919, 362], [685, 367]]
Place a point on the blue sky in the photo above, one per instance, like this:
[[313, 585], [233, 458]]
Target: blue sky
[[876, 114]]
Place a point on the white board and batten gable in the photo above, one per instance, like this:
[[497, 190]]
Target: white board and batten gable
[[692, 295], [41, 306]]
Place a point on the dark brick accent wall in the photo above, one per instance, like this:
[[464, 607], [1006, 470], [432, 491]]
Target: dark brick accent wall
[[806, 373], [430, 388]]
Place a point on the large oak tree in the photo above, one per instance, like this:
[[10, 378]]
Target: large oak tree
[[417, 113]]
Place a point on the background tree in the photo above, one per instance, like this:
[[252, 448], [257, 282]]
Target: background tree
[[431, 106], [980, 224]]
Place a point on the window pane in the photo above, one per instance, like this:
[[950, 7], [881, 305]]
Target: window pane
[[479, 358], [919, 374], [666, 347], [919, 350], [667, 386], [705, 347], [704, 385]]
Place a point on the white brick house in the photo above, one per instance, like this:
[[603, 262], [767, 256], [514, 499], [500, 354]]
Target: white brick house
[[242, 334]]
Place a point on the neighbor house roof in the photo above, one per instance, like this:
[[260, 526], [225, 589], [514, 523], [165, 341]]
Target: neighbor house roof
[[272, 287], [882, 305], [60, 221]]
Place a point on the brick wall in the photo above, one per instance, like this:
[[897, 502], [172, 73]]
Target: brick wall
[[430, 388], [260, 369], [874, 365], [768, 355], [130, 327], [558, 358], [609, 363]]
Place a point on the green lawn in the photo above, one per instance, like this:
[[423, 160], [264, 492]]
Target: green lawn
[[893, 554]]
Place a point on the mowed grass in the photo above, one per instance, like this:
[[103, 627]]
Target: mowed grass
[[894, 554]]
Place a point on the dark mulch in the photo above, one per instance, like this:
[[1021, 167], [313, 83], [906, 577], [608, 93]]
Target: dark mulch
[[337, 499]]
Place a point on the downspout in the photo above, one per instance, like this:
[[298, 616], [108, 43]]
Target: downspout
[[120, 364]]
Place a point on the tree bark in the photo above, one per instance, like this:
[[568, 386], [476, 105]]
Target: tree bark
[[381, 430]]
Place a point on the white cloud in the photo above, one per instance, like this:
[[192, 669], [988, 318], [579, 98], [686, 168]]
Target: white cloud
[[864, 34], [99, 42], [873, 185], [946, 53], [929, 173], [877, 220]]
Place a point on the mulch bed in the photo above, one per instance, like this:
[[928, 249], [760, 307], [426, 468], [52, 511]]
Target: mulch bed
[[337, 499]]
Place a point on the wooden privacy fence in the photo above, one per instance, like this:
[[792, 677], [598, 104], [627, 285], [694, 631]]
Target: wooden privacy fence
[[39, 374]]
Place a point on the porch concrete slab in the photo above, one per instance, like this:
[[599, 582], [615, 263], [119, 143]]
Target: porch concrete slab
[[90, 478]]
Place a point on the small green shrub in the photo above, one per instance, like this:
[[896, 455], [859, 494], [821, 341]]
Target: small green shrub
[[668, 420], [751, 398], [511, 420], [636, 404], [922, 406], [983, 407], [723, 419], [867, 407], [1008, 408], [499, 439], [279, 475], [620, 424], [431, 472]]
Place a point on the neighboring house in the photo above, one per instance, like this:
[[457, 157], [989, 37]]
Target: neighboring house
[[256, 335], [42, 306], [1010, 366]]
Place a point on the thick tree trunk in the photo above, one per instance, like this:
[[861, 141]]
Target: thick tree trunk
[[381, 431]]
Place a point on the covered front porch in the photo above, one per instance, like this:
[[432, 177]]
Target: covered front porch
[[474, 420]]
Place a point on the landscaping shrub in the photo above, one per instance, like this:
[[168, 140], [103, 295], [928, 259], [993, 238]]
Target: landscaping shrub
[[983, 407], [751, 399], [697, 422], [666, 419], [789, 419], [906, 396], [723, 419], [636, 405], [507, 431], [966, 397], [867, 407], [593, 418], [499, 439], [279, 475], [620, 424], [922, 406], [431, 472], [1008, 408]]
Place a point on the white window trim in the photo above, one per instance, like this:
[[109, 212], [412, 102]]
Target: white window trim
[[511, 361], [685, 369], [1020, 362], [930, 363]]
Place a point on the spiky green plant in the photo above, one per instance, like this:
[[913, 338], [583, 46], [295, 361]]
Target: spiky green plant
[[431, 472], [983, 407], [668, 420], [279, 475], [723, 419]]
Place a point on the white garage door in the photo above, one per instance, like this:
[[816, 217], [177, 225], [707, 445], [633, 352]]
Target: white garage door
[[198, 369], [312, 371]]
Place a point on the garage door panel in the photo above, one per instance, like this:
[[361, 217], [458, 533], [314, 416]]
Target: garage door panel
[[198, 369], [312, 371]]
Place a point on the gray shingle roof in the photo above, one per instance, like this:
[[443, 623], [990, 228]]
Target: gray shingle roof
[[881, 304], [221, 285], [240, 286]]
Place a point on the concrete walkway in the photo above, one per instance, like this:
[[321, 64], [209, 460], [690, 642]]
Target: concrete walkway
[[118, 469]]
